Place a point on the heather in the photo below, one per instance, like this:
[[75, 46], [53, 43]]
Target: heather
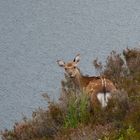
[[72, 117]]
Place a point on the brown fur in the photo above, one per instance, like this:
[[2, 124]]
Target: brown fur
[[91, 85]]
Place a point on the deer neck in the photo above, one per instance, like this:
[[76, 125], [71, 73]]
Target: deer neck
[[78, 80]]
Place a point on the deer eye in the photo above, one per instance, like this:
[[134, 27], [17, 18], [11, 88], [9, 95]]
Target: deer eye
[[65, 68], [74, 67]]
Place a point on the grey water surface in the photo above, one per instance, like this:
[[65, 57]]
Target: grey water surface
[[35, 33]]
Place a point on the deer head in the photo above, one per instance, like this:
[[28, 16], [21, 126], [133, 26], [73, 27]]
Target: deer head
[[71, 66]]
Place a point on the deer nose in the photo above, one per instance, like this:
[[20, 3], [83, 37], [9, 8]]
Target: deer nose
[[70, 73]]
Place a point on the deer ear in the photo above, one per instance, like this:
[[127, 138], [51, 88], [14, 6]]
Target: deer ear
[[61, 63], [77, 58]]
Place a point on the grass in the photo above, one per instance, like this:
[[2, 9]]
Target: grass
[[71, 118], [77, 110]]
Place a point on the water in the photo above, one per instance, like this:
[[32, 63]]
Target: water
[[35, 33]]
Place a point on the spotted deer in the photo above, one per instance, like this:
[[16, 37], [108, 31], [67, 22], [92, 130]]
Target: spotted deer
[[99, 89]]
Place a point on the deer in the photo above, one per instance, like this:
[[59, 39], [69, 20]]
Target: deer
[[100, 89]]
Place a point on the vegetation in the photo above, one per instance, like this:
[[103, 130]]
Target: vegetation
[[72, 118]]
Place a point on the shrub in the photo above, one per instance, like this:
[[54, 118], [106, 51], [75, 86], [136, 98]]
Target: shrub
[[70, 118]]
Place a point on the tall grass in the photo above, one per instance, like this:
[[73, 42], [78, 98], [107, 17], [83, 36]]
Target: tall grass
[[77, 110]]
